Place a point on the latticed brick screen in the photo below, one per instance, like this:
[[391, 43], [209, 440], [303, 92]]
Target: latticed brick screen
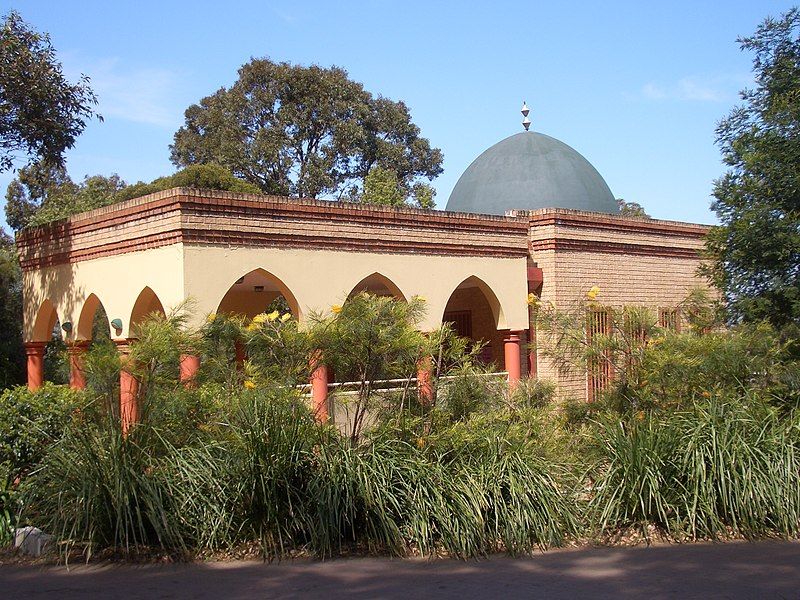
[[600, 370], [668, 318]]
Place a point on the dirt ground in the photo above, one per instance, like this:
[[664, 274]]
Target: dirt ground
[[768, 569]]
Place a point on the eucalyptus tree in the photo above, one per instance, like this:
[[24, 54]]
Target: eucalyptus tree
[[304, 131]]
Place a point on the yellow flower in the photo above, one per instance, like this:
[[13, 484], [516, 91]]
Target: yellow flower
[[336, 309], [211, 317], [272, 316], [533, 300], [420, 298], [593, 292], [286, 317], [249, 384], [260, 318]]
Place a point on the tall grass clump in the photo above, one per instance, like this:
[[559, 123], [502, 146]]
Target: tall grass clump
[[722, 467], [394, 497], [97, 489]]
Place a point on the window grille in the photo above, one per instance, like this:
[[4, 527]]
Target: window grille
[[461, 321], [668, 318], [600, 370]]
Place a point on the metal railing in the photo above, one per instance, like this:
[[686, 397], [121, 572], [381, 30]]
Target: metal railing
[[340, 387]]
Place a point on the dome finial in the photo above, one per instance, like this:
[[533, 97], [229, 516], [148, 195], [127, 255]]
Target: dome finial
[[526, 122]]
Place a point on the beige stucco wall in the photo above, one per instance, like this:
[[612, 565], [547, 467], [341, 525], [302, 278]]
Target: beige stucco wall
[[116, 280], [319, 279]]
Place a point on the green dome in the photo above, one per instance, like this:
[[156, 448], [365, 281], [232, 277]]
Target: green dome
[[528, 171]]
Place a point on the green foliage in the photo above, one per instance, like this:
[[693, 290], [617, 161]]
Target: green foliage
[[278, 350], [382, 188], [204, 176], [371, 338], [41, 193], [755, 252], [631, 209], [98, 489], [31, 422], [303, 131], [717, 468], [701, 441], [41, 113], [677, 370], [12, 352], [619, 348]]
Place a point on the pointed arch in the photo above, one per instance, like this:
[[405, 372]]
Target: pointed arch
[[85, 325], [253, 292], [45, 322], [377, 284], [146, 304], [491, 298], [475, 312]]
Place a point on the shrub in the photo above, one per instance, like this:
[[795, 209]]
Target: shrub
[[97, 489], [721, 466], [678, 369], [30, 422]]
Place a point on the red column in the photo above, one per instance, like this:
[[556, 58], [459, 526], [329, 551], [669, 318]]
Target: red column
[[512, 356], [238, 348], [128, 389], [319, 389], [35, 353], [77, 378], [424, 384], [533, 361], [190, 365]]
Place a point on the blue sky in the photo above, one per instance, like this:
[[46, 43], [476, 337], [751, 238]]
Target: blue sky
[[636, 87]]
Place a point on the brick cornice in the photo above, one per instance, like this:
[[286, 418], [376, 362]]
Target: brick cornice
[[606, 247], [586, 220], [204, 217]]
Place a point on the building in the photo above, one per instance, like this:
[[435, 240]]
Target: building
[[530, 215]]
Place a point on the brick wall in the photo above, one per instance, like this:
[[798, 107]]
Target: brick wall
[[649, 263], [222, 218]]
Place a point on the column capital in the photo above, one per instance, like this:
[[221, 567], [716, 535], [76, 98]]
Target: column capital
[[78, 346], [35, 348], [123, 344]]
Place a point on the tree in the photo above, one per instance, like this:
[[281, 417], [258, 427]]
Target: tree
[[304, 131], [755, 252], [42, 193], [631, 209], [12, 353], [41, 113], [381, 187]]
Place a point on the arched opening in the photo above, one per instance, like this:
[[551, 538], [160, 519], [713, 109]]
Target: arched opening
[[474, 311], [47, 329], [256, 292], [45, 323], [93, 323], [379, 285], [146, 304]]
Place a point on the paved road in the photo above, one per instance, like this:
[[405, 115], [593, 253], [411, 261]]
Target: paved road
[[736, 570]]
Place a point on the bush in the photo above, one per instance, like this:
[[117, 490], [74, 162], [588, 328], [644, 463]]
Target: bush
[[720, 467], [207, 176], [97, 489], [678, 369], [30, 422]]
